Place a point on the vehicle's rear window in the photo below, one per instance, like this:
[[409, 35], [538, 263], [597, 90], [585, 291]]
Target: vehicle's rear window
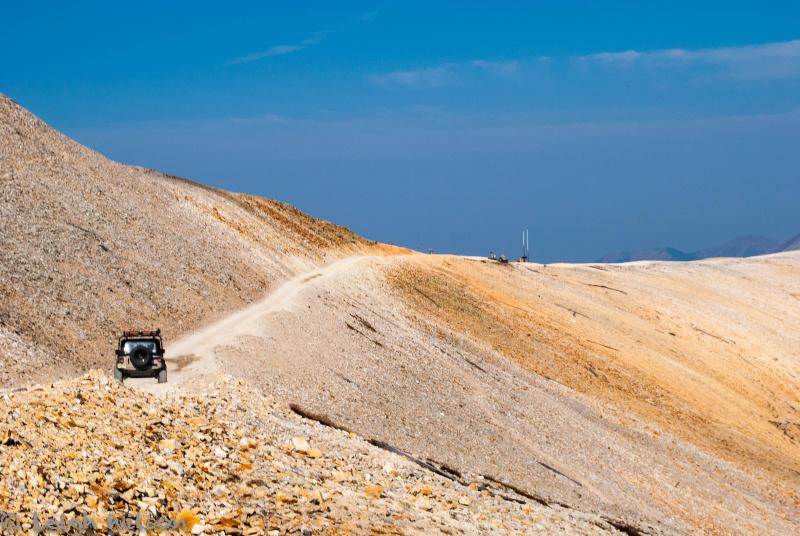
[[128, 346]]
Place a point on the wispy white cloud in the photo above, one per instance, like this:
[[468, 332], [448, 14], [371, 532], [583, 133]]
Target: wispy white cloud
[[448, 73], [314, 39], [268, 118], [499, 68], [767, 61], [625, 56], [436, 76], [277, 50]]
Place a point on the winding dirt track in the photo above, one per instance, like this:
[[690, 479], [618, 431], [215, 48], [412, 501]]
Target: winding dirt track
[[192, 361]]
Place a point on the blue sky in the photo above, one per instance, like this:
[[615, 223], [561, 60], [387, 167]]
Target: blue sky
[[452, 126]]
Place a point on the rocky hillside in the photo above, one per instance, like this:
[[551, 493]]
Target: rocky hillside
[[91, 246], [96, 456]]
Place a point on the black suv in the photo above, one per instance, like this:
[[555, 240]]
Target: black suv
[[140, 354]]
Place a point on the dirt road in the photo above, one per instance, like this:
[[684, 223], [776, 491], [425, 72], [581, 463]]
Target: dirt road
[[192, 360]]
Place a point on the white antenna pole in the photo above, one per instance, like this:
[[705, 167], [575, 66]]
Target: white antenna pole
[[527, 244]]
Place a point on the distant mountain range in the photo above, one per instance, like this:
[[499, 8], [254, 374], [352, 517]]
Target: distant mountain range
[[741, 246], [790, 245]]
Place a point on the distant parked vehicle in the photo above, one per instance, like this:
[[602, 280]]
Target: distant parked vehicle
[[140, 354], [503, 259]]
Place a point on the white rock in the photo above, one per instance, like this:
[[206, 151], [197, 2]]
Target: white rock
[[390, 469], [300, 444], [175, 467]]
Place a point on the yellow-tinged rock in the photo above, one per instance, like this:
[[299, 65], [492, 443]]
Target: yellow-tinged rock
[[98, 490], [188, 519], [280, 497], [374, 491], [226, 523], [99, 521], [314, 453], [425, 491], [195, 422], [167, 445]]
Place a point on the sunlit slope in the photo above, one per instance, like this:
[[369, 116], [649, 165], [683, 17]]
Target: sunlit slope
[[708, 350]]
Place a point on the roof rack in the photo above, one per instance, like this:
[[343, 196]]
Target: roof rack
[[141, 333]]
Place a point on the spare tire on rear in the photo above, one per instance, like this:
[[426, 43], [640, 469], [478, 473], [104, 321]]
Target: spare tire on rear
[[141, 358]]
